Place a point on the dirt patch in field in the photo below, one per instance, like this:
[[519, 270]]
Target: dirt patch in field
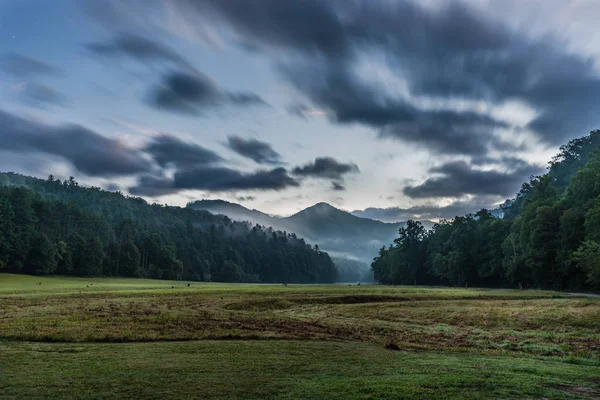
[[580, 391], [260, 305], [282, 304], [352, 299]]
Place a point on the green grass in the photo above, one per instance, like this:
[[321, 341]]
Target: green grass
[[120, 338], [277, 369]]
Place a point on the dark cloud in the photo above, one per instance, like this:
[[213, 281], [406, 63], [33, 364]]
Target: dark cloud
[[192, 93], [244, 99], [337, 186], [350, 100], [450, 51], [259, 152], [217, 179], [169, 150], [245, 198], [223, 179], [138, 48], [184, 90], [26, 67], [429, 211], [86, 150], [310, 26], [510, 161], [113, 187], [456, 179], [325, 168], [153, 186]]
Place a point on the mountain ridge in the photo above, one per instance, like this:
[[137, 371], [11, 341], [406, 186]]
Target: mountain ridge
[[336, 231]]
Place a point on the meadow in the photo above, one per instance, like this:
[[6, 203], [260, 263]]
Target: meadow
[[124, 338]]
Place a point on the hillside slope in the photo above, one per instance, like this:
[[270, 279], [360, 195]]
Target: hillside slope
[[338, 232]]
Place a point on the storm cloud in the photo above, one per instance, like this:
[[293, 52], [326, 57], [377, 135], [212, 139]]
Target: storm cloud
[[458, 178], [193, 93], [325, 168], [218, 179], [337, 186], [257, 151], [449, 51], [88, 151], [168, 150]]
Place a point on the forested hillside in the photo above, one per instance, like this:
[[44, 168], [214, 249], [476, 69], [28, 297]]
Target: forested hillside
[[549, 236], [58, 227], [338, 232]]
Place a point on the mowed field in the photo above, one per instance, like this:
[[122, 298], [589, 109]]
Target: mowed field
[[130, 338]]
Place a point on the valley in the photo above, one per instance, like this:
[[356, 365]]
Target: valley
[[351, 241]]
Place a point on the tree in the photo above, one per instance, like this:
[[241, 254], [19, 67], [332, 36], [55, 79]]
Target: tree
[[42, 258], [98, 232], [410, 253], [6, 230], [87, 255], [230, 272], [588, 256], [65, 259], [130, 259]]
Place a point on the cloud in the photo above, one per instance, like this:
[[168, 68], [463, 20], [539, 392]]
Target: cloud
[[457, 179], [153, 186], [349, 100], [325, 168], [245, 198], [337, 186], [138, 48], [217, 179], [168, 150], [259, 152], [86, 150], [223, 179], [113, 187], [278, 25], [192, 93], [26, 67], [183, 90], [429, 211], [196, 168], [449, 52]]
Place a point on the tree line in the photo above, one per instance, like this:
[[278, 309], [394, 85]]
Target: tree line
[[547, 237], [59, 227]]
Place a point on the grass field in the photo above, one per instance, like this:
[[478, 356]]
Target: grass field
[[123, 338]]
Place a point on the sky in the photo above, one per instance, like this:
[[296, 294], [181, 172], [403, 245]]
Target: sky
[[402, 109]]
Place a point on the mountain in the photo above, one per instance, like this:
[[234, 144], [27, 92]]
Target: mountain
[[234, 211], [323, 219], [341, 234]]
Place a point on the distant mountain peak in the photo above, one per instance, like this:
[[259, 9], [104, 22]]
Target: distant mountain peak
[[321, 207], [323, 204], [334, 230]]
